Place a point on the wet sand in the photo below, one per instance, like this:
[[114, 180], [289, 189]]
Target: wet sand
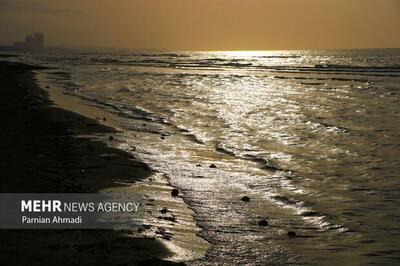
[[46, 148]]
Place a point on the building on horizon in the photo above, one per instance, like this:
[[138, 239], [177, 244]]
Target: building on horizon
[[33, 42]]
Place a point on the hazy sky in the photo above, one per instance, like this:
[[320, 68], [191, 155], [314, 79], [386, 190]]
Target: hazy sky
[[205, 24]]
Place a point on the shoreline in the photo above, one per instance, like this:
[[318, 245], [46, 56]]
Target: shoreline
[[74, 104], [63, 156]]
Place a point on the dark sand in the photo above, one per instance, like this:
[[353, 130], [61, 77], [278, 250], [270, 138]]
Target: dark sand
[[40, 153]]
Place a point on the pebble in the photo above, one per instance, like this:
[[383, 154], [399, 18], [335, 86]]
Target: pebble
[[213, 166], [291, 234], [167, 237], [104, 119], [111, 138], [164, 210], [263, 223], [245, 199], [167, 218], [174, 192]]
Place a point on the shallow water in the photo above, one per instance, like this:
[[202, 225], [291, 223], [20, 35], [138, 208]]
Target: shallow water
[[312, 137]]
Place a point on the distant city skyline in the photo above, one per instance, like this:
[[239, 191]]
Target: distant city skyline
[[205, 24]]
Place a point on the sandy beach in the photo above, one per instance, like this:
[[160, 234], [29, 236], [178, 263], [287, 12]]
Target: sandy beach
[[47, 148]]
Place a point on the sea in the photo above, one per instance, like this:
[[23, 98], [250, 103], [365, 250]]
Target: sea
[[311, 137]]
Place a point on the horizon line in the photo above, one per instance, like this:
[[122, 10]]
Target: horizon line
[[66, 47], [213, 50]]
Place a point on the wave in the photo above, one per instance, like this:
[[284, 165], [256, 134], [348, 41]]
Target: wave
[[379, 71], [279, 56], [322, 79], [264, 163], [173, 60], [132, 112], [327, 127], [225, 151], [190, 135]]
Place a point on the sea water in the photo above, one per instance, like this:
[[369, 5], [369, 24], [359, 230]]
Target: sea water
[[311, 137]]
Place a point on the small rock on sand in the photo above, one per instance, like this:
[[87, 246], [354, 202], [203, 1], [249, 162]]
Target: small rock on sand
[[291, 234], [245, 199], [263, 223], [111, 138], [167, 237], [104, 119], [164, 210], [213, 166], [168, 218], [174, 192]]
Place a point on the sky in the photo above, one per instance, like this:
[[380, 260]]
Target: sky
[[205, 24]]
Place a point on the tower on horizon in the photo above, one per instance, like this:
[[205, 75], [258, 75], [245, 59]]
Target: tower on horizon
[[33, 42]]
